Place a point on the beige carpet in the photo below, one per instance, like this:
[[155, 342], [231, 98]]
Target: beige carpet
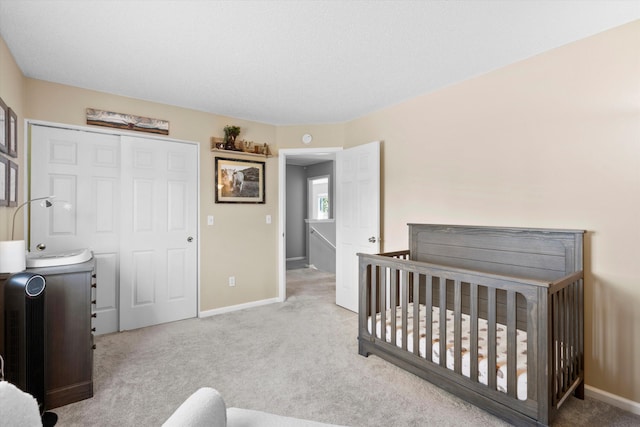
[[298, 358]]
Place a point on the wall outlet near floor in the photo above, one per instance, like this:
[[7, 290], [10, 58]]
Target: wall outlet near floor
[[232, 280]]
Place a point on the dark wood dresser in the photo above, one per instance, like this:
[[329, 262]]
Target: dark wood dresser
[[69, 341]]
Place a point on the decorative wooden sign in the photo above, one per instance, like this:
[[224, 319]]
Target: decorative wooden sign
[[126, 121]]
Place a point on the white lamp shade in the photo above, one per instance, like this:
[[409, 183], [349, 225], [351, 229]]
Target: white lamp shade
[[13, 256]]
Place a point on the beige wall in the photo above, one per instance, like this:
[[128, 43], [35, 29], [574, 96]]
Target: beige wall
[[238, 229], [324, 136], [12, 92], [553, 141]]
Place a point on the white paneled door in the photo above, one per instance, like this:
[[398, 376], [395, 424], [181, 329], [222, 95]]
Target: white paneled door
[[134, 204], [357, 216], [82, 169], [158, 244]]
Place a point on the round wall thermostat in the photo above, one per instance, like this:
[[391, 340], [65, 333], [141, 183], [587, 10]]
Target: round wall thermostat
[[307, 138]]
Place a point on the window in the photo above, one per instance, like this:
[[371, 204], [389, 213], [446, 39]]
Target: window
[[319, 204]]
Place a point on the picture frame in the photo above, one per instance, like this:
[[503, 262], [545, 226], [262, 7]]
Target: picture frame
[[12, 183], [4, 127], [12, 136], [4, 181], [239, 181]]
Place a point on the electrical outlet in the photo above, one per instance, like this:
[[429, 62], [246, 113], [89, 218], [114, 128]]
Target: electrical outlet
[[210, 220], [232, 280]]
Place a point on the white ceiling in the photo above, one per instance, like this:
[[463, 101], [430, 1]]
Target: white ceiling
[[288, 62]]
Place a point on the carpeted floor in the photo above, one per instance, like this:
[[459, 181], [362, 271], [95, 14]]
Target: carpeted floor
[[298, 358]]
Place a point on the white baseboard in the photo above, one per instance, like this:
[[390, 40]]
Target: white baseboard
[[231, 308], [612, 399]]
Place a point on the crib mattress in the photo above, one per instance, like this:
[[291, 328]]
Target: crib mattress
[[501, 341]]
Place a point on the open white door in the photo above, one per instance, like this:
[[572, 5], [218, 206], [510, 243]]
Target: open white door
[[357, 216]]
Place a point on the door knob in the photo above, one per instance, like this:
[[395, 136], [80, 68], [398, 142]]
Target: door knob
[[372, 239], [189, 239], [41, 246]]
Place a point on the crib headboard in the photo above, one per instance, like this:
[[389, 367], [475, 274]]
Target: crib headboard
[[535, 253]]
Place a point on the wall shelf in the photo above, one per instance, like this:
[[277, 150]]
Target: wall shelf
[[241, 153]]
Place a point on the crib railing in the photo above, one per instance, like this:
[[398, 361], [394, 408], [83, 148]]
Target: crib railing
[[566, 349], [550, 313]]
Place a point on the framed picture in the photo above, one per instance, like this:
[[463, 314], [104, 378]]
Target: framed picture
[[4, 181], [12, 182], [239, 181], [4, 127], [12, 138]]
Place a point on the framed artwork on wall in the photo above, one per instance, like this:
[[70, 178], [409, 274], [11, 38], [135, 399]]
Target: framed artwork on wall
[[4, 181], [4, 127], [12, 182], [12, 138], [239, 181]]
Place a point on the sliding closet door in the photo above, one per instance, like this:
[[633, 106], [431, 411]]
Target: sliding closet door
[[134, 204], [158, 241], [82, 169]]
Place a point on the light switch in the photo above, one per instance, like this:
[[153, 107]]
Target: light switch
[[268, 219], [210, 220]]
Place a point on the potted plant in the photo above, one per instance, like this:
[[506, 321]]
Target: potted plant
[[230, 135]]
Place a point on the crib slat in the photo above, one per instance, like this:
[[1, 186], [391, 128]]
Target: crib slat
[[473, 339], [512, 382], [382, 280], [577, 313], [443, 321], [491, 338], [428, 301], [404, 296], [562, 381], [457, 328], [580, 341], [556, 357], [566, 342], [393, 299], [416, 312], [374, 286], [576, 319], [570, 333]]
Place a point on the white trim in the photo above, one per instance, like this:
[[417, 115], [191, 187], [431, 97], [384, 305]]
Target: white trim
[[612, 399], [231, 308]]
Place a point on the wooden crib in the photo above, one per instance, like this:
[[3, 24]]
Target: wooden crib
[[513, 299]]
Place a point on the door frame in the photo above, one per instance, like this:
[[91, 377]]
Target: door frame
[[282, 190], [109, 131]]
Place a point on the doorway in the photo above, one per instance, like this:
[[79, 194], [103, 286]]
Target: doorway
[[301, 234], [357, 214]]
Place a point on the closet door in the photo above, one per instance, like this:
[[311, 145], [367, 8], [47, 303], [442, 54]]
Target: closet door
[[158, 241], [134, 204], [82, 169]]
